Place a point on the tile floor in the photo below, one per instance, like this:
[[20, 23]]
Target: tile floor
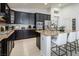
[[27, 47]]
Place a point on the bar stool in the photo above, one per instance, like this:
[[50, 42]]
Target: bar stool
[[71, 40], [77, 38], [59, 42]]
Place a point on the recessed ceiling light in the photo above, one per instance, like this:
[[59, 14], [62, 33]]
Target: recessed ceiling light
[[45, 3]]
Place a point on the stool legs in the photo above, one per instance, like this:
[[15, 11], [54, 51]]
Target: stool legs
[[59, 50], [75, 47], [66, 49], [56, 47], [70, 50]]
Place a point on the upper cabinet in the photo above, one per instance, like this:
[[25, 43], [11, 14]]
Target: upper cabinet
[[2, 7], [12, 13], [17, 18], [2, 13], [24, 18], [31, 19], [41, 17], [21, 18], [5, 12], [8, 14]]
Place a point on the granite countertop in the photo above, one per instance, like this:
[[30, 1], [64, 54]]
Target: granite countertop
[[6, 34], [26, 29], [47, 32], [51, 33]]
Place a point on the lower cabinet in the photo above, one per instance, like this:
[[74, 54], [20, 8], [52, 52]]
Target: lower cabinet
[[19, 34], [0, 48], [4, 47], [7, 45], [38, 39], [24, 34]]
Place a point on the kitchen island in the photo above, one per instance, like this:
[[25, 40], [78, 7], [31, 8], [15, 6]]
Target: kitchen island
[[44, 41], [6, 42]]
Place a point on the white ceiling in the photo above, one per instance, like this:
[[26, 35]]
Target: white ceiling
[[36, 5]]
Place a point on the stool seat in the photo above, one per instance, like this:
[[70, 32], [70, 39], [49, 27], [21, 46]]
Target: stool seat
[[59, 41]]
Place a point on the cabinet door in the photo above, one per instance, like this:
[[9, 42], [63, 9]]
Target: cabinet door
[[9, 46], [2, 7], [38, 17], [4, 47], [17, 18], [12, 38], [31, 19], [19, 34], [49, 17], [21, 18], [10, 43], [44, 17], [38, 40], [25, 18], [41, 17]]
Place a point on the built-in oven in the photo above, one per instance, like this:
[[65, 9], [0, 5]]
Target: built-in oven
[[47, 24], [39, 25]]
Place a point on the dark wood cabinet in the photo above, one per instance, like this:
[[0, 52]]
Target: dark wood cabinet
[[2, 7], [39, 17], [7, 45], [12, 18], [38, 38], [24, 18], [8, 16], [24, 34], [31, 18], [4, 47], [19, 34], [48, 17], [5, 12], [17, 18]]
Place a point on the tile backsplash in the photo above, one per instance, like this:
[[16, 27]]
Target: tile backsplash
[[16, 26], [20, 26]]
